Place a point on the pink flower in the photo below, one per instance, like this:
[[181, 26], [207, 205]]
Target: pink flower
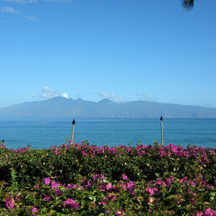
[[204, 182], [160, 182], [70, 203], [35, 210], [89, 184], [54, 184], [98, 176], [112, 197], [214, 213], [9, 202], [47, 198], [173, 148], [18, 196], [192, 183], [58, 192], [168, 181], [208, 212], [150, 191], [120, 212], [83, 181], [103, 203], [131, 186], [209, 187], [124, 177], [2, 145], [108, 212], [162, 153], [190, 192], [84, 153], [108, 186], [46, 181]]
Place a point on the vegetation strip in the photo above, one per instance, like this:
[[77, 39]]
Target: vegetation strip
[[83, 179]]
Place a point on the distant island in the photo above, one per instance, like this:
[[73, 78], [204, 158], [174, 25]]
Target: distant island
[[63, 107]]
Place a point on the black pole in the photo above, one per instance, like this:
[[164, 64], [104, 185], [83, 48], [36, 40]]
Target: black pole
[[161, 130], [73, 123]]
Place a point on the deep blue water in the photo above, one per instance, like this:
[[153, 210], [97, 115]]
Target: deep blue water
[[43, 133]]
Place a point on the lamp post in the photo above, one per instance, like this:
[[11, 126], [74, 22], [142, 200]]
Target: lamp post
[[73, 123], [161, 130]]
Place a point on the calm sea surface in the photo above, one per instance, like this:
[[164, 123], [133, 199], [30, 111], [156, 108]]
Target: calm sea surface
[[43, 133]]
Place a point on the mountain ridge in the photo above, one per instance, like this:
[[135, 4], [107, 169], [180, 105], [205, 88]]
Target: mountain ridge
[[105, 108]]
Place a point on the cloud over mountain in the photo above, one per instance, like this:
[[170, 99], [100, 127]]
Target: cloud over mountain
[[110, 97], [47, 93]]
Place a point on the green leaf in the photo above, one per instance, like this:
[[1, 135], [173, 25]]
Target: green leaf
[[84, 212], [83, 202]]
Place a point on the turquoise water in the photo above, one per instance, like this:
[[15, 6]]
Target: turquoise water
[[43, 133]]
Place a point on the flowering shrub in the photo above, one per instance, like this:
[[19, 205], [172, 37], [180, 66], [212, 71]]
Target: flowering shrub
[[80, 179]]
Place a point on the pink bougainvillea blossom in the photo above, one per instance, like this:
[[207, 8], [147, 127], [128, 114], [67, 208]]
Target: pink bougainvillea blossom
[[46, 181], [108, 212], [209, 212], [119, 212], [124, 177], [150, 191], [18, 197], [46, 198], [70, 203], [130, 186], [35, 211], [169, 180], [112, 197], [98, 176], [108, 186], [9, 202], [54, 184], [58, 192]]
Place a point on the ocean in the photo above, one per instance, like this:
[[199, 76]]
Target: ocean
[[44, 132]]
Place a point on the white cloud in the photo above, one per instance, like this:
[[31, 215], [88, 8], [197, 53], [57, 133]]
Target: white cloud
[[9, 10], [146, 97], [65, 95], [47, 93], [34, 95], [111, 97]]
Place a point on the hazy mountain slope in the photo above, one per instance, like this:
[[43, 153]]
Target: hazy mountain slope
[[62, 107]]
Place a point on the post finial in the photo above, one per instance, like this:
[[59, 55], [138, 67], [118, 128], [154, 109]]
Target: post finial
[[73, 122], [161, 118]]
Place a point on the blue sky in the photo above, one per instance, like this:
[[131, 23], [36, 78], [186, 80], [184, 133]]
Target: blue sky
[[123, 50]]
